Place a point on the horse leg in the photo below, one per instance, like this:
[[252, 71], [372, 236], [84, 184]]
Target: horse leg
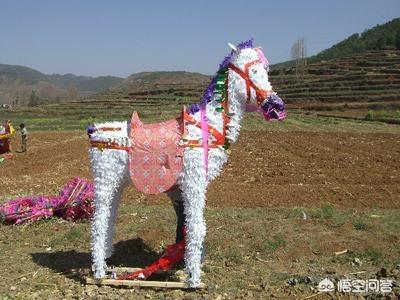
[[176, 198], [175, 194], [194, 184], [111, 221], [110, 169]]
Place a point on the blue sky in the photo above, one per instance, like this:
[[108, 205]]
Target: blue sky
[[124, 37]]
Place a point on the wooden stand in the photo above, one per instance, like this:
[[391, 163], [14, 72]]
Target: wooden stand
[[139, 283]]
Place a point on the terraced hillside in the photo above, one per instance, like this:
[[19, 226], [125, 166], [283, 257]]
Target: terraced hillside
[[155, 88], [370, 77], [361, 86], [156, 96]]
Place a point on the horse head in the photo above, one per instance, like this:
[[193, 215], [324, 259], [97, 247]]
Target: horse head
[[249, 72]]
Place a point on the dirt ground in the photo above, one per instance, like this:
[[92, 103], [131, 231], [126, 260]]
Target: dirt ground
[[284, 204], [265, 169]]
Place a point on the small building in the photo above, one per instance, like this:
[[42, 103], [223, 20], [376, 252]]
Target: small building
[[6, 106]]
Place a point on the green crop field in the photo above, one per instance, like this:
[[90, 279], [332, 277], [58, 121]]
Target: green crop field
[[78, 117]]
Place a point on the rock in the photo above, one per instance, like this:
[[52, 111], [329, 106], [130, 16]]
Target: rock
[[330, 271], [13, 288], [305, 279], [210, 288], [265, 286], [299, 279], [249, 295], [206, 269], [90, 288], [396, 273], [177, 294], [292, 281], [103, 291], [161, 296], [357, 261], [180, 275], [228, 263], [381, 273]]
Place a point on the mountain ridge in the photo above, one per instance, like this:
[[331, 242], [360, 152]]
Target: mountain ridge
[[17, 83]]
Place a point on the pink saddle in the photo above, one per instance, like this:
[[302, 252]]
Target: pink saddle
[[155, 158]]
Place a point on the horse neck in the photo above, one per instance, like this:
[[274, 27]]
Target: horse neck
[[236, 104], [236, 92]]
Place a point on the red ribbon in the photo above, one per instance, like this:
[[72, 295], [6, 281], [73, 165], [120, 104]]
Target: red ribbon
[[261, 94], [172, 255]]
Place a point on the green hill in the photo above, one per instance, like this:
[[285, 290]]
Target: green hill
[[146, 80], [82, 83], [98, 83], [17, 82], [24, 75], [67, 80], [380, 37]]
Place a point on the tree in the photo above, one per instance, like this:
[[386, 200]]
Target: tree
[[299, 53], [16, 100], [397, 39], [380, 43], [72, 93], [33, 99], [389, 38]]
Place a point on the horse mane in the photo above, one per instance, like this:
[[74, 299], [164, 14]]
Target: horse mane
[[209, 92]]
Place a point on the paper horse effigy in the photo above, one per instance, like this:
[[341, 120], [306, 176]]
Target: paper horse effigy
[[187, 152]]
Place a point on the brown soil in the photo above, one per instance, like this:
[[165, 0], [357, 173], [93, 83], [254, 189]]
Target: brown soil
[[251, 252], [265, 169]]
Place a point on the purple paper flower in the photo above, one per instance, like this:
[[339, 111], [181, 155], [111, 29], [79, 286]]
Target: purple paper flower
[[75, 202]]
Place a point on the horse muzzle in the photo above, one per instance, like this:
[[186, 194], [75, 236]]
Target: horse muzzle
[[273, 108]]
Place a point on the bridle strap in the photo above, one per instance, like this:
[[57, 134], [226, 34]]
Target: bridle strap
[[260, 93]]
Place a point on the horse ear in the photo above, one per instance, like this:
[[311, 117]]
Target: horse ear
[[233, 47]]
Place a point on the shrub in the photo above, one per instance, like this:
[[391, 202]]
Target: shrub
[[369, 116]]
